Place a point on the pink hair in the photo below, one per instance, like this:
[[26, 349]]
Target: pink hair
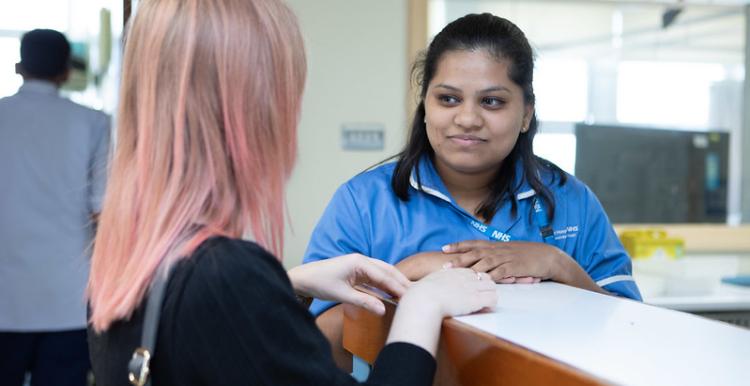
[[206, 139]]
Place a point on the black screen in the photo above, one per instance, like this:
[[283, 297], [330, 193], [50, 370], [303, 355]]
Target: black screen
[[647, 175]]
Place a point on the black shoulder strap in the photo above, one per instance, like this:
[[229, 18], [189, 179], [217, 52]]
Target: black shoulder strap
[[138, 368]]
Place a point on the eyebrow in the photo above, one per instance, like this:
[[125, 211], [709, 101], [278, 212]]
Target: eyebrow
[[490, 89]]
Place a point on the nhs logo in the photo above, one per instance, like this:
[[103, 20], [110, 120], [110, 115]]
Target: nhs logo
[[491, 232]]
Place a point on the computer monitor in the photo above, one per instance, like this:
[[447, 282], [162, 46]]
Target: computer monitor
[[653, 175]]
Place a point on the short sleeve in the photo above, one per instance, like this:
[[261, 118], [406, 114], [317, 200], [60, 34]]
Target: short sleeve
[[603, 256], [99, 162], [339, 231]]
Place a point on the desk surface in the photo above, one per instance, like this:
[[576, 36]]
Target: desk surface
[[618, 340], [693, 283]]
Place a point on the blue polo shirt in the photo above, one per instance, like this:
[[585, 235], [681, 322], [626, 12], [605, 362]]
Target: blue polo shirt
[[366, 217]]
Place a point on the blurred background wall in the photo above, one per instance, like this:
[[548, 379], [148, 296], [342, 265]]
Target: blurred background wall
[[357, 74]]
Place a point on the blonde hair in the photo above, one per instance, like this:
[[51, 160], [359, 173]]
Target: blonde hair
[[206, 139]]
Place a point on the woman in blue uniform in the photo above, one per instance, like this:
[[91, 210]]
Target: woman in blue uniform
[[467, 189]]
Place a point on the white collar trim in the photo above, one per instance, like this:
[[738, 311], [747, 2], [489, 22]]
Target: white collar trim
[[438, 194], [428, 190], [526, 194]]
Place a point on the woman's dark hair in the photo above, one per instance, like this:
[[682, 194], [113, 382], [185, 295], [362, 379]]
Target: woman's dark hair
[[505, 41]]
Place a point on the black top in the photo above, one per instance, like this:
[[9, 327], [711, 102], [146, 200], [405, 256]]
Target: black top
[[230, 317]]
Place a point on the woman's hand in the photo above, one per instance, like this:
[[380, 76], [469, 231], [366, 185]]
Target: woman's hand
[[443, 293], [453, 292], [422, 264], [520, 262], [335, 278], [511, 262]]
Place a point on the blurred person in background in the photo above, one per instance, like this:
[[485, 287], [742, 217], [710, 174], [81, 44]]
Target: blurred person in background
[[53, 156]]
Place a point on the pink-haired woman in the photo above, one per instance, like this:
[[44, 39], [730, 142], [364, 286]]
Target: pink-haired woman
[[206, 139]]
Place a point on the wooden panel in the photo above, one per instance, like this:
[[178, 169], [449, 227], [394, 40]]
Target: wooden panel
[[466, 356], [703, 237], [417, 28], [416, 43], [364, 332]]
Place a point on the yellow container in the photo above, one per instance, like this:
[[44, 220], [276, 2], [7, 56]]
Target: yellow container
[[646, 243]]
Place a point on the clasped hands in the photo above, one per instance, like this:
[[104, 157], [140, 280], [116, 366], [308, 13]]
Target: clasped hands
[[444, 292], [506, 262], [475, 266]]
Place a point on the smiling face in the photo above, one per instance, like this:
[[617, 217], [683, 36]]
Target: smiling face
[[474, 113]]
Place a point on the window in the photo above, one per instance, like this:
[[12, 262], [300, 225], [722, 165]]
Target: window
[[29, 14], [625, 68], [88, 25], [561, 87], [560, 148], [9, 56], [666, 94]]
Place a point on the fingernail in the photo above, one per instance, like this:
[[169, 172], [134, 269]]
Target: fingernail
[[447, 265], [446, 248]]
